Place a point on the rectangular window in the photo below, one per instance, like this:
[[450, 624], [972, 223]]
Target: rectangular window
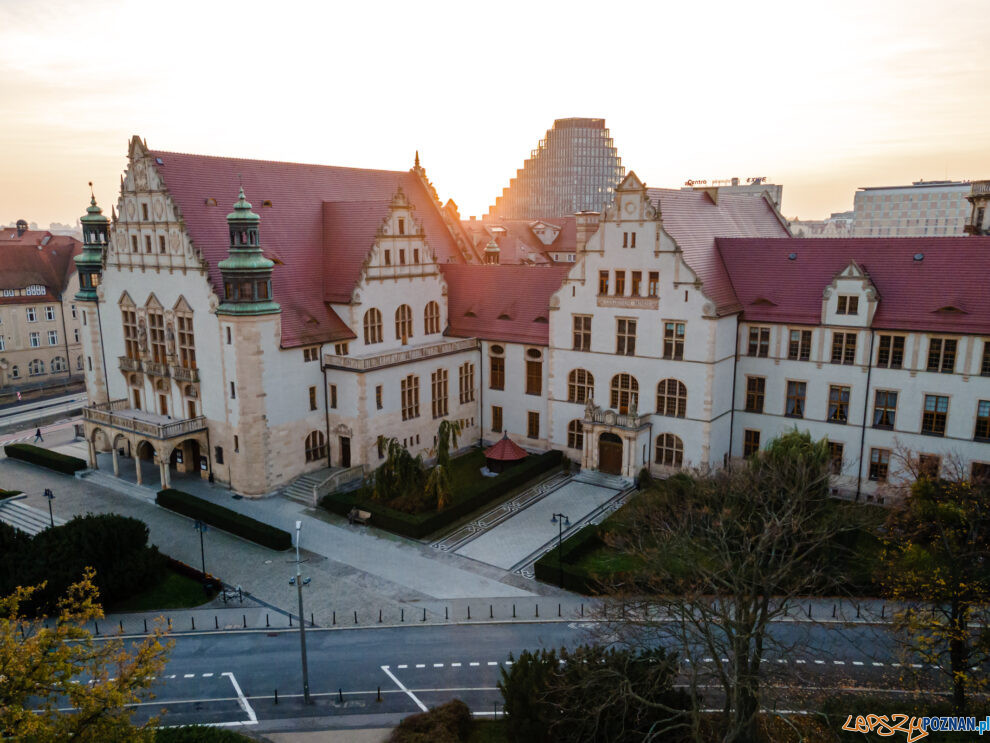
[[982, 432], [147, 243], [49, 313], [340, 349], [312, 398], [496, 377], [625, 337], [653, 285], [751, 442], [602, 283], [673, 340], [35, 339], [848, 306], [799, 345], [438, 383], [466, 382], [73, 309], [980, 472], [496, 419], [935, 414], [929, 465], [185, 341], [333, 396], [838, 404], [879, 462], [161, 247], [620, 283], [582, 332], [409, 388], [388, 257], [218, 454], [637, 280], [843, 348], [32, 314], [3, 345], [884, 409], [233, 391], [534, 377], [625, 239], [942, 355], [533, 425], [309, 354], [52, 337], [378, 397], [759, 342], [755, 393], [890, 351], [237, 444], [134, 247], [835, 456], [985, 363], [632, 240], [795, 399], [402, 226], [402, 256]]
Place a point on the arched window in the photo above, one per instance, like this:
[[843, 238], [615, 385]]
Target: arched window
[[58, 364], [372, 326], [670, 450], [403, 323], [580, 386], [316, 446], [625, 393], [575, 435], [671, 398], [36, 367], [431, 318]]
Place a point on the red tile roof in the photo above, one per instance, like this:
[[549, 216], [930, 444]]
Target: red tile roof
[[31, 259], [505, 450], [913, 294], [519, 244], [293, 230], [694, 221], [502, 303]]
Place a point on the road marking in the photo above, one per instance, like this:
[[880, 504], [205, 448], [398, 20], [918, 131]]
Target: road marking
[[494, 663], [438, 665], [917, 665], [189, 676], [820, 662], [802, 662], [207, 675], [509, 663], [452, 665], [398, 683], [857, 662], [876, 663], [709, 660], [172, 676], [896, 665], [420, 665], [475, 664], [781, 660], [839, 662], [242, 701], [403, 666]]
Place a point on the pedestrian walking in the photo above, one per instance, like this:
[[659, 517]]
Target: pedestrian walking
[[38, 437]]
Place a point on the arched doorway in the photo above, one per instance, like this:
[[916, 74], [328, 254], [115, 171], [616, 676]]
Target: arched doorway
[[610, 454], [185, 458]]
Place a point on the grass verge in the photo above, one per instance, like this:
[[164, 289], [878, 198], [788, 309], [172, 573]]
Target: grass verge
[[173, 591]]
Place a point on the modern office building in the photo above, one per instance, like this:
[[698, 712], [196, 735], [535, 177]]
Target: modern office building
[[923, 209], [575, 168]]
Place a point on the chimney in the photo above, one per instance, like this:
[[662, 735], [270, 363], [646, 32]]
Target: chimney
[[586, 225], [22, 226]]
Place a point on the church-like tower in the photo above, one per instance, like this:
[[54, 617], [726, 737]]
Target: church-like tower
[[247, 274], [89, 265]]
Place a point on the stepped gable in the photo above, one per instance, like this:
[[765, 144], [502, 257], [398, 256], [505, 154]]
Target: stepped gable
[[36, 257], [315, 262], [502, 303], [695, 220], [944, 291]]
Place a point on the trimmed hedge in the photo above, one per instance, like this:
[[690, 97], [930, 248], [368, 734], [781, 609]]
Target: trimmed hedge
[[223, 518], [45, 458], [547, 568], [8, 493], [418, 525]]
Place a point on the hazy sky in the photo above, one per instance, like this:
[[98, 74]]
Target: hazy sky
[[821, 97]]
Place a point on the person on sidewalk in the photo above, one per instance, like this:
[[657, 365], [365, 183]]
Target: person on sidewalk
[[38, 437]]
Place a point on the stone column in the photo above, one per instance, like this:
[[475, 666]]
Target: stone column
[[116, 463], [162, 476], [137, 468], [92, 456], [167, 482]]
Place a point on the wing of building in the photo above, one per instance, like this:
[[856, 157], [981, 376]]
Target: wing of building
[[330, 307]]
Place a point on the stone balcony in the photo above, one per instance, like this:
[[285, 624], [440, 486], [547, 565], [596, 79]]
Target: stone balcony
[[127, 364], [979, 188], [155, 368], [370, 362], [603, 416], [117, 414], [182, 374]]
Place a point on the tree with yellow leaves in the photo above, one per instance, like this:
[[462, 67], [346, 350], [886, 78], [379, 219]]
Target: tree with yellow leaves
[[937, 566], [59, 683]]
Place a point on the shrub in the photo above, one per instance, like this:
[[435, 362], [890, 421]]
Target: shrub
[[418, 525], [448, 723], [8, 493], [45, 458], [547, 568], [223, 518]]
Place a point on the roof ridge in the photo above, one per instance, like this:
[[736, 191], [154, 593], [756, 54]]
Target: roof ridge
[[158, 153]]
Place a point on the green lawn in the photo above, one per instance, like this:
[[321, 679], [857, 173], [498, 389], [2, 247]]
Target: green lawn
[[489, 731], [174, 591], [465, 472]]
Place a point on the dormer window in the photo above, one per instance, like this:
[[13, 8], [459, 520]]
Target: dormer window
[[848, 305]]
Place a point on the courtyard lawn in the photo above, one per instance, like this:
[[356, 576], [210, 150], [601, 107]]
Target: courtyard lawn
[[174, 591], [465, 473]]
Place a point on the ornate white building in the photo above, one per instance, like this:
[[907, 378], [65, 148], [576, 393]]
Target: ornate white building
[[345, 305]]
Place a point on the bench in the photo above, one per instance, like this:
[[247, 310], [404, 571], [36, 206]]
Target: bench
[[356, 516]]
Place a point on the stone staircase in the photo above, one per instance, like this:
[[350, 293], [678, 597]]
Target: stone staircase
[[108, 481], [614, 482], [25, 518], [301, 489]]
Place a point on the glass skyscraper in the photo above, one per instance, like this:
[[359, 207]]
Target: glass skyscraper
[[575, 168]]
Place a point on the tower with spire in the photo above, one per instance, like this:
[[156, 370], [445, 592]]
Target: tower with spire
[[247, 274], [89, 266]]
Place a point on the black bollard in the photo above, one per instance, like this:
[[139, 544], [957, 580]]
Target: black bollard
[[491, 612], [146, 626], [193, 620], [379, 694], [582, 608], [276, 696], [513, 611], [267, 624], [809, 611], [883, 609], [355, 616], [424, 613], [335, 616], [558, 611], [244, 616], [446, 612], [312, 623], [121, 623], [379, 616], [290, 620], [216, 621], [469, 611], [97, 624], [833, 611], [402, 615], [857, 611], [537, 611], [340, 695]]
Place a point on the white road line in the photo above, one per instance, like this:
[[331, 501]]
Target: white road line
[[509, 663], [403, 666], [189, 676], [474, 664], [172, 676], [452, 665], [896, 665], [242, 701], [494, 663], [917, 665], [781, 660], [420, 665], [802, 662], [876, 663], [839, 662], [820, 662], [207, 675], [401, 686], [709, 660], [857, 662], [438, 665]]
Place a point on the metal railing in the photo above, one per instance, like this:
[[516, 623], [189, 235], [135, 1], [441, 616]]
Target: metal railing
[[335, 480], [366, 363]]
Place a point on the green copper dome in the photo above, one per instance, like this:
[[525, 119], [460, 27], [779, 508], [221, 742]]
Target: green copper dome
[[247, 274], [242, 210]]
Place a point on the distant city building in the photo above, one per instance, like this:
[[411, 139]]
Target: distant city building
[[39, 327], [755, 186], [838, 224], [575, 168], [923, 209], [71, 230], [979, 217]]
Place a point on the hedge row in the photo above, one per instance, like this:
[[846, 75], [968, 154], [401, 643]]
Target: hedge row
[[419, 525], [8, 493], [223, 518], [45, 458], [547, 568]]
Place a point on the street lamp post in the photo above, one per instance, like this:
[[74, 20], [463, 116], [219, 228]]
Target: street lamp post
[[302, 620], [561, 522], [50, 496], [201, 527]]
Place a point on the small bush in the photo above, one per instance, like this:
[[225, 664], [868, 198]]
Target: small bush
[[448, 723], [45, 458], [223, 518]]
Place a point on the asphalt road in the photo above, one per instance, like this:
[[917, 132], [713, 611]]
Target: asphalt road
[[231, 678], [26, 413]]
